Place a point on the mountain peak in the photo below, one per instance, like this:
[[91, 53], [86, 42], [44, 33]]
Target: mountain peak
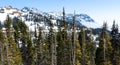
[[33, 14], [30, 9]]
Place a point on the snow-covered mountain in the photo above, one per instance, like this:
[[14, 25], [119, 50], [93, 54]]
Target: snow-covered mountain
[[32, 15], [8, 10]]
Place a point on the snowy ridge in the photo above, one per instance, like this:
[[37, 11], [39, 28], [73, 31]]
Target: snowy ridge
[[32, 15]]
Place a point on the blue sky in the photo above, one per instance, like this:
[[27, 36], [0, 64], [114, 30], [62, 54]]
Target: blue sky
[[99, 10]]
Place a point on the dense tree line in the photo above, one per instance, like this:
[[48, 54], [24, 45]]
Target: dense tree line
[[63, 47]]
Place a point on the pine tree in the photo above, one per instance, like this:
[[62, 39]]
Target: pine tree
[[75, 46], [2, 48], [60, 47], [27, 48], [64, 22], [104, 51], [82, 41], [52, 42], [74, 41], [78, 53], [66, 43], [39, 49], [115, 44], [46, 51], [13, 53], [91, 48], [66, 50], [63, 46], [30, 52], [16, 32]]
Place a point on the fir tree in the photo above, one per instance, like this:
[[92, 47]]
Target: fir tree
[[74, 41], [115, 44], [82, 41], [78, 53], [66, 43], [52, 42], [39, 49], [46, 51], [91, 48], [60, 47], [63, 46], [75, 46], [17, 32], [66, 50], [2, 48], [104, 51], [64, 22], [30, 52], [27, 48], [13, 53]]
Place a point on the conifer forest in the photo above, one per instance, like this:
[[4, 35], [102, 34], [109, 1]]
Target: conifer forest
[[69, 45]]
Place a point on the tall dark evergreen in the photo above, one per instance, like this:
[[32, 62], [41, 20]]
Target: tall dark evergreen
[[91, 48], [52, 38], [26, 44], [66, 43], [13, 53], [78, 53], [17, 32], [60, 47], [82, 41], [115, 44], [104, 51], [39, 49], [63, 49], [47, 51], [2, 49], [73, 46], [64, 22]]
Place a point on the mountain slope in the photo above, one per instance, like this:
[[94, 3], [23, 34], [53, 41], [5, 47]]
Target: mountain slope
[[32, 15]]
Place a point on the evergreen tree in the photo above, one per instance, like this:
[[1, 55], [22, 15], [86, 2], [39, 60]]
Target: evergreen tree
[[75, 46], [64, 22], [13, 53], [2, 49], [66, 50], [82, 41], [17, 32], [30, 52], [91, 48], [27, 48], [78, 53], [74, 41], [104, 51], [52, 42], [46, 51], [39, 49], [115, 44], [66, 43], [60, 47], [63, 46]]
